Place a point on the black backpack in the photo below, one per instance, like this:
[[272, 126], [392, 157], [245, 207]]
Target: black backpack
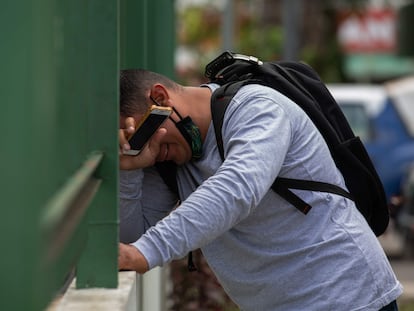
[[302, 85]]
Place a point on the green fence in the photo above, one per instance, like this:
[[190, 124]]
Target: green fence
[[59, 120]]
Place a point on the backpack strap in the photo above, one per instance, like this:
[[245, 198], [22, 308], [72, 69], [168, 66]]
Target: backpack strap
[[168, 172], [220, 100], [283, 185], [347, 150]]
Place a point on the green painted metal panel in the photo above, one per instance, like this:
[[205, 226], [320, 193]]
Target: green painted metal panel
[[25, 151], [134, 34], [148, 35], [161, 41], [59, 95]]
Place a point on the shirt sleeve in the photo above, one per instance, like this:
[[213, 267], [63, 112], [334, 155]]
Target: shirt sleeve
[[144, 199], [253, 159], [130, 206]]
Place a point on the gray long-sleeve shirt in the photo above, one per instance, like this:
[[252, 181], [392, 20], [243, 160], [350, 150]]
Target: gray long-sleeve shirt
[[267, 254]]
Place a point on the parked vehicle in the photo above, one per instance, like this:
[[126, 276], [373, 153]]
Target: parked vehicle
[[383, 116]]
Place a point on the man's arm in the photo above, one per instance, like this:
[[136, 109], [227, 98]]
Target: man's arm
[[144, 197], [131, 214]]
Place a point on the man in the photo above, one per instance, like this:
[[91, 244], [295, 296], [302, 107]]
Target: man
[[265, 253]]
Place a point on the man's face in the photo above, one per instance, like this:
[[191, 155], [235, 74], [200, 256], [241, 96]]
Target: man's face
[[173, 146]]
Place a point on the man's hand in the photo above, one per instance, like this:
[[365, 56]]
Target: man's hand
[[130, 258], [126, 133], [147, 155]]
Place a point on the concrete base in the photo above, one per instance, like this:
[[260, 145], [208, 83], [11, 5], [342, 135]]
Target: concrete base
[[103, 299], [134, 293]]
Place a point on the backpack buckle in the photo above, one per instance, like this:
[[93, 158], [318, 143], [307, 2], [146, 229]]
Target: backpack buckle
[[226, 59], [249, 59]]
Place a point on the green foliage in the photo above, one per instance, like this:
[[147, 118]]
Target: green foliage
[[265, 42], [199, 26], [199, 29]]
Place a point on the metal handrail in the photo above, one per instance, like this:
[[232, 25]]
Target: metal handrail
[[65, 209]]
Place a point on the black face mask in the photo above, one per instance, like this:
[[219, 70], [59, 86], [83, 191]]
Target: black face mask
[[190, 132]]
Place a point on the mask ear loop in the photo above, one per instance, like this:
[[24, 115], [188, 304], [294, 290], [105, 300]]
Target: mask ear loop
[[154, 101], [179, 116], [177, 113]]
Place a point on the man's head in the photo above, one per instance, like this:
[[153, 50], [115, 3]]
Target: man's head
[[140, 89], [136, 87]]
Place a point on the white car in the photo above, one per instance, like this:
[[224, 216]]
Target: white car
[[360, 103], [383, 117]]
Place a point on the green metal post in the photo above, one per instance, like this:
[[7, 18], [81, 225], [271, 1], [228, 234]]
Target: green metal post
[[148, 35], [103, 118], [134, 35], [161, 44]]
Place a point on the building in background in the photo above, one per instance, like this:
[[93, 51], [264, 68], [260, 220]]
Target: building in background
[[345, 41], [368, 39]]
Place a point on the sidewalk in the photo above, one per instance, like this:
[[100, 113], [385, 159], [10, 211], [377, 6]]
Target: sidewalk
[[393, 246], [408, 294]]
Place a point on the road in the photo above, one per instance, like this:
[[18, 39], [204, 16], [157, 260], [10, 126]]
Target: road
[[404, 269]]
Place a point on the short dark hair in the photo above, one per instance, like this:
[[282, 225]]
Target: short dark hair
[[134, 85]]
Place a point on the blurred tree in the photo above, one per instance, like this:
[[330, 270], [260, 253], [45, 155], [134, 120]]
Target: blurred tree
[[259, 32]]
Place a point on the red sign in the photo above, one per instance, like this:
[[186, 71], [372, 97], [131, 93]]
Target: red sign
[[370, 31]]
